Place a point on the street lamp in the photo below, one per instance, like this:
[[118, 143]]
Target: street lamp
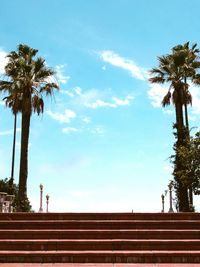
[[41, 193], [47, 201], [170, 197], [163, 203]]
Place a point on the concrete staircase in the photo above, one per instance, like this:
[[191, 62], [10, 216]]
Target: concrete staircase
[[100, 237]]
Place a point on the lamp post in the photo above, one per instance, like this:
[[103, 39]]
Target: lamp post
[[170, 197], [163, 203], [47, 201], [41, 194]]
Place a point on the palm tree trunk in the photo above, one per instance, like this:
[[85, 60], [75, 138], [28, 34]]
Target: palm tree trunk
[[179, 122], [23, 174], [187, 129], [183, 190], [13, 150], [186, 117]]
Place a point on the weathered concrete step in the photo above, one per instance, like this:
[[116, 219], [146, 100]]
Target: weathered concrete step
[[100, 234], [99, 265], [99, 216], [101, 256], [118, 244], [100, 224]]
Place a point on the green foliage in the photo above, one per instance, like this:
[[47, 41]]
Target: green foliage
[[186, 161], [189, 156], [8, 186]]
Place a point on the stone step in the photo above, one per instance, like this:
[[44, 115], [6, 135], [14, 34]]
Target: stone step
[[100, 224], [100, 238], [100, 234], [80, 244], [145, 256], [99, 216]]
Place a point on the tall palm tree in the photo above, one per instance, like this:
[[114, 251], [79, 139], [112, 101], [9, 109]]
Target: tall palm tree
[[12, 101], [175, 69], [32, 80], [188, 59]]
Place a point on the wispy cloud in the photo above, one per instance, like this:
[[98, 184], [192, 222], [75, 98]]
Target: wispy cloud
[[9, 132], [61, 77], [116, 102], [86, 119], [121, 62], [68, 130], [156, 94], [2, 103], [65, 117], [97, 99], [67, 92], [195, 92], [3, 60]]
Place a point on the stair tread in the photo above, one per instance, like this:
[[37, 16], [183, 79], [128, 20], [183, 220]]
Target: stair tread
[[100, 221], [99, 252], [100, 230], [101, 240]]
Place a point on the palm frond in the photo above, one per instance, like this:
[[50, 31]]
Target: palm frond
[[157, 79], [37, 104], [156, 71], [166, 99], [48, 88]]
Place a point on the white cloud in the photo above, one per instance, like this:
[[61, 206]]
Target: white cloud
[[66, 92], [86, 119], [118, 61], [156, 94], [2, 103], [78, 90], [116, 102], [100, 103], [60, 74], [168, 111], [3, 60], [9, 132], [65, 117], [123, 102], [69, 130], [195, 92]]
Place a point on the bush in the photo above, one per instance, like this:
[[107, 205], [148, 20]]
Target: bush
[[8, 186]]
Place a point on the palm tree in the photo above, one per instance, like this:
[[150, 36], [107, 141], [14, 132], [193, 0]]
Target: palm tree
[[32, 80], [176, 69], [12, 101]]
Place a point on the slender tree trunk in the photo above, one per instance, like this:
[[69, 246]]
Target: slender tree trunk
[[182, 189], [188, 133], [186, 117], [13, 150], [23, 173], [179, 122]]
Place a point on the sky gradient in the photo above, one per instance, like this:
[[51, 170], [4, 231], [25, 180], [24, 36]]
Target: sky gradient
[[104, 141]]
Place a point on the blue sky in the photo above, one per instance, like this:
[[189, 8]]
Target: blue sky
[[103, 141]]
